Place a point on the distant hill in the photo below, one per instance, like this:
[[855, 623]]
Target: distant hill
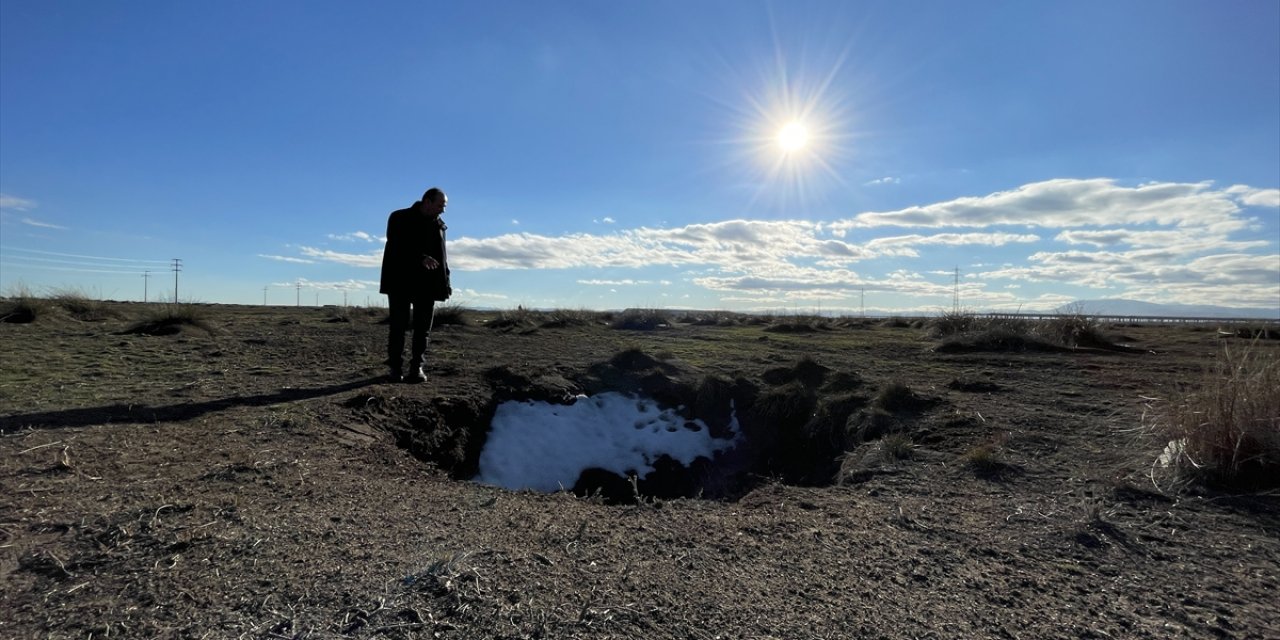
[[1119, 307]]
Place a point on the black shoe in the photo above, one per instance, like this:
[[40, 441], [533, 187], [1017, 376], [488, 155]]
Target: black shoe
[[394, 376], [416, 375]]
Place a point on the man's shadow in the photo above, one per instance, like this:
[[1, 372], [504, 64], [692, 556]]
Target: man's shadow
[[134, 413]]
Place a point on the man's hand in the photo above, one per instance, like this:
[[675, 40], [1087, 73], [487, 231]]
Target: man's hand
[[430, 263]]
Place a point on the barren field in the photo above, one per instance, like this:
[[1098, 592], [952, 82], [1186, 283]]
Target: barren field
[[257, 479]]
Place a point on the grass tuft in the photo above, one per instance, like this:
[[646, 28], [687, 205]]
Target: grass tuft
[[1225, 430], [985, 459], [896, 396], [565, 318], [641, 319], [963, 331], [169, 319], [22, 306], [79, 305], [897, 446], [450, 313], [514, 319]]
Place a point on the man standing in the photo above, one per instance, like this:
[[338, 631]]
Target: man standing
[[415, 273]]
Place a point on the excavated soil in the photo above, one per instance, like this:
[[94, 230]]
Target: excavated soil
[[254, 478]]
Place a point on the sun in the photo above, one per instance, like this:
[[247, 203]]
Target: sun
[[793, 137]]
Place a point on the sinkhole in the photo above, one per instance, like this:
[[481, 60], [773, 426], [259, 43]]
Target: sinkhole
[[637, 427]]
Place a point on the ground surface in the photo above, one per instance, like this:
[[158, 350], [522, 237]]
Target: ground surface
[[258, 481]]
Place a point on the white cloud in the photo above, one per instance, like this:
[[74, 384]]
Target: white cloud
[[604, 220], [614, 283], [1251, 197], [356, 235], [1069, 203], [351, 259], [885, 180], [1104, 236], [466, 294], [286, 259], [43, 225], [17, 204], [340, 285], [985, 239]]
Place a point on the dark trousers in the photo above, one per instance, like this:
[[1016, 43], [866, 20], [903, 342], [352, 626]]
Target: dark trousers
[[422, 315]]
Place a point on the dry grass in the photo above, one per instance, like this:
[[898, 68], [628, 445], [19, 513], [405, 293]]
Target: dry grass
[[1225, 430], [560, 318], [642, 319], [21, 305], [168, 319], [450, 313], [984, 458], [518, 318], [79, 305], [897, 446], [966, 331], [896, 396]]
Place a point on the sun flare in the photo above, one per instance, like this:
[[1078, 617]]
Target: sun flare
[[793, 137]]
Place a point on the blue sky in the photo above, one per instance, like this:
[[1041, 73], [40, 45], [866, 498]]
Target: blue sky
[[621, 154]]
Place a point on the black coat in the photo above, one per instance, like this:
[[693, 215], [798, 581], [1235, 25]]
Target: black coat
[[411, 236]]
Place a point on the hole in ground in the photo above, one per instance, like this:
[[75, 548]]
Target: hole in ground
[[639, 427]]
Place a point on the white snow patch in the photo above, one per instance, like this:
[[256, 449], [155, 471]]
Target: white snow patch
[[545, 447]]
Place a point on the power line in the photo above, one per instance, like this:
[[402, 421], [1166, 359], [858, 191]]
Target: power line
[[38, 267], [955, 296], [84, 257], [177, 266]]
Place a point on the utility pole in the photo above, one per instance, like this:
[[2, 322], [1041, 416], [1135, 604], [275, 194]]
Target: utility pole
[[264, 295], [177, 266], [146, 276], [344, 297], [317, 298], [955, 297], [863, 302], [299, 295]]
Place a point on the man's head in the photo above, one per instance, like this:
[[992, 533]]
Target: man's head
[[434, 201]]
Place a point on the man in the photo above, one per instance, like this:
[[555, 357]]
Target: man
[[415, 273]]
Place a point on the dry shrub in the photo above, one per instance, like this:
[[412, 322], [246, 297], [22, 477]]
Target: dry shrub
[[22, 306], [897, 396], [952, 323], [338, 315], [1074, 330], [561, 318], [169, 319], [450, 313], [641, 319], [897, 446], [80, 305], [799, 324], [713, 319], [1226, 429], [1001, 339], [518, 318], [964, 331]]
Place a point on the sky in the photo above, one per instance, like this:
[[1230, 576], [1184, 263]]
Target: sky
[[799, 156], [545, 447]]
